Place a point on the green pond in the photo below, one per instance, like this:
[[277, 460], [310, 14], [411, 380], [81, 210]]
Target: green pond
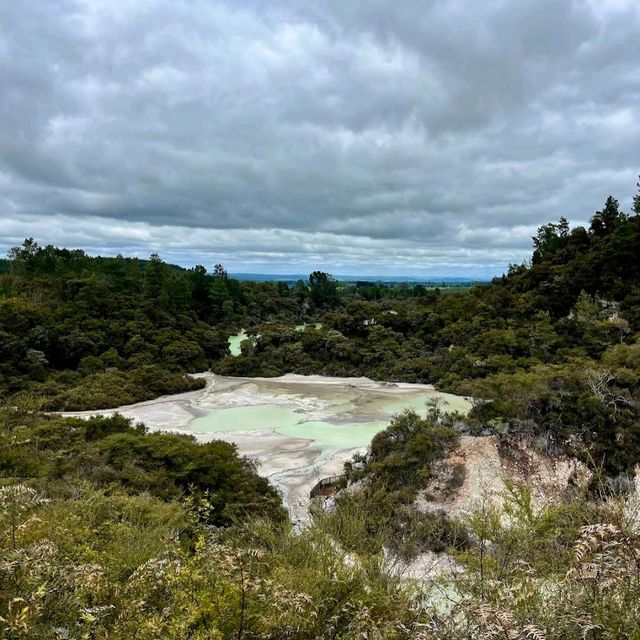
[[348, 433], [287, 422], [235, 341], [247, 418], [338, 436]]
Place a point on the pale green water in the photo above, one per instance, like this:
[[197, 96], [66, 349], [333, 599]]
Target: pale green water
[[448, 403], [247, 418], [295, 423], [287, 422], [234, 342], [339, 436]]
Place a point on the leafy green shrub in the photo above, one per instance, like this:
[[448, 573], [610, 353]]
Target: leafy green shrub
[[110, 451], [114, 388]]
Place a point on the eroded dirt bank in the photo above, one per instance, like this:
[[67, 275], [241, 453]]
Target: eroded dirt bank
[[481, 470]]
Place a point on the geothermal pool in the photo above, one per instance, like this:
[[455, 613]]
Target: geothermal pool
[[347, 424], [235, 341], [297, 429]]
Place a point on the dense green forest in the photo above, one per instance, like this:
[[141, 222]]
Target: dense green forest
[[84, 332], [109, 531]]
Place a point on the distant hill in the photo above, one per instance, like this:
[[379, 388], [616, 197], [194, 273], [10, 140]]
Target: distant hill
[[5, 263], [351, 279]]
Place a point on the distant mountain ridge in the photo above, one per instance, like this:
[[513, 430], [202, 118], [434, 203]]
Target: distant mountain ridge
[[5, 265], [294, 277]]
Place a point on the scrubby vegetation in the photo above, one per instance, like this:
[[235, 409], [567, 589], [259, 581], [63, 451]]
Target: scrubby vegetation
[[379, 514], [85, 558], [111, 453], [108, 531]]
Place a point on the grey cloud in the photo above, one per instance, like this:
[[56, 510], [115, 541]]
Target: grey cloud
[[417, 135], [464, 252]]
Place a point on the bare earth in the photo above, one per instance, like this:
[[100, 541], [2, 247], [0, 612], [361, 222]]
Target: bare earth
[[490, 468]]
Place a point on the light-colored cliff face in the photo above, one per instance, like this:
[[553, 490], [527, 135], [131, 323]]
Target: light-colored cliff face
[[480, 469], [477, 474]]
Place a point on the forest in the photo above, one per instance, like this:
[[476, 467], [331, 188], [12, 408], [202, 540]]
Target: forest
[[109, 531]]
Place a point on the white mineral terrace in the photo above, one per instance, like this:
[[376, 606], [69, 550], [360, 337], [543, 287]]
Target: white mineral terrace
[[298, 429]]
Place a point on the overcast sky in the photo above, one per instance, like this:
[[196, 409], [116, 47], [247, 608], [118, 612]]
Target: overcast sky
[[359, 136]]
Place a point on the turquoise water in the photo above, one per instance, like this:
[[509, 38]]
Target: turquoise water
[[350, 417], [448, 403], [247, 418], [235, 341], [339, 436], [288, 422]]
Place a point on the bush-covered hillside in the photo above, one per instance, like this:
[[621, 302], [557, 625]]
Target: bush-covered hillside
[[553, 344], [87, 333], [108, 531]]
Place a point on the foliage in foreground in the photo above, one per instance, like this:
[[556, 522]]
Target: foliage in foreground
[[134, 567], [109, 566], [377, 511]]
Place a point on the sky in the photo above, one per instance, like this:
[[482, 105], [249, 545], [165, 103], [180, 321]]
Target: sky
[[361, 137]]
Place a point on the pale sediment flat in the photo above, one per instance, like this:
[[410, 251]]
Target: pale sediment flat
[[297, 429]]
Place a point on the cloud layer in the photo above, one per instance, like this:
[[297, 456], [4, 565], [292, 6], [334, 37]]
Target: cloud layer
[[362, 137]]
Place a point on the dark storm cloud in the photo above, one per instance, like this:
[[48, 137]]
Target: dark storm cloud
[[356, 135]]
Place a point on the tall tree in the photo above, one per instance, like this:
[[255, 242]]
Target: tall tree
[[154, 280], [605, 221], [324, 291]]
